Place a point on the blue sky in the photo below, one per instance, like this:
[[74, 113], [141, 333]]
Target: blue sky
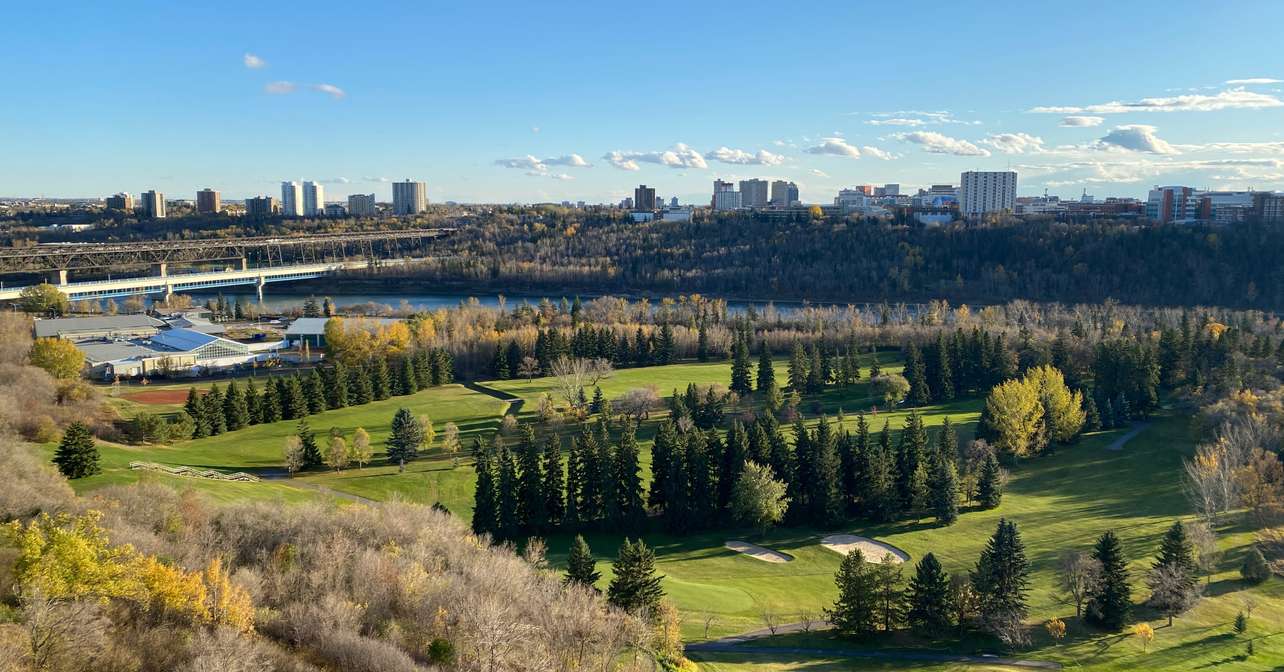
[[506, 101]]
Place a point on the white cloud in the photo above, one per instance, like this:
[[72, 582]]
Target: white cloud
[[897, 121], [1079, 121], [937, 143], [528, 162], [534, 129], [1138, 138], [280, 88], [573, 160], [679, 156], [1015, 143], [375, 179], [336, 180], [745, 158], [619, 160], [834, 147], [877, 153], [253, 62], [330, 90], [1254, 80], [537, 167], [918, 118], [818, 173], [1237, 98]]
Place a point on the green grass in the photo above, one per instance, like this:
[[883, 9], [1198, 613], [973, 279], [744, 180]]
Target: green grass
[[1060, 501]]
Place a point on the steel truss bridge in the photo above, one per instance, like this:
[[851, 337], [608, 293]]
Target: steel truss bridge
[[260, 250], [277, 259]]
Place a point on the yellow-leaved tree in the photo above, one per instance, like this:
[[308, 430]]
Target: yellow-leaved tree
[[1062, 407], [61, 359], [1015, 415]]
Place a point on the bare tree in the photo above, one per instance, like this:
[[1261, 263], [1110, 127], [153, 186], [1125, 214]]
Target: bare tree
[[293, 453], [710, 618], [1207, 554], [638, 402], [769, 619], [529, 367], [573, 375], [806, 619], [1079, 573], [1172, 592]]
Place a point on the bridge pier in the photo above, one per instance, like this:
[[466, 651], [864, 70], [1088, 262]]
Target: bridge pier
[[56, 277], [258, 285], [161, 269], [245, 264]]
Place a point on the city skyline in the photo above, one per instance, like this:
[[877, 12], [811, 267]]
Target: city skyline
[[864, 109]]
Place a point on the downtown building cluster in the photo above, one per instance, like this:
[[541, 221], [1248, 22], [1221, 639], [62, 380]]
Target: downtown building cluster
[[298, 199]]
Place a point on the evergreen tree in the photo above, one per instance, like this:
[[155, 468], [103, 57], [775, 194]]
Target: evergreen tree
[[572, 514], [407, 383], [735, 453], [741, 369], [253, 405], [1176, 550], [664, 352], [337, 394], [296, 403], [581, 568], [314, 392], [920, 393], [513, 358], [944, 488], [629, 496], [442, 366], [663, 451], [308, 444], [1001, 580], [380, 384], [855, 611], [599, 401], [507, 521], [531, 501], [929, 605], [989, 488], [823, 495], [635, 587], [942, 382], [592, 509], [947, 442], [1091, 417], [554, 502], [798, 368], [270, 403], [702, 343], [77, 454], [911, 464], [485, 497], [360, 390], [235, 412], [879, 496], [891, 597], [766, 377], [850, 460], [212, 407], [406, 438], [1110, 597], [196, 409], [423, 368], [499, 364]]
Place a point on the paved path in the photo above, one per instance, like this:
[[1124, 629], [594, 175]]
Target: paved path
[[1137, 428], [514, 402], [738, 644]]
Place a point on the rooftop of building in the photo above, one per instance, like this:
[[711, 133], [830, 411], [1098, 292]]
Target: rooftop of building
[[58, 326]]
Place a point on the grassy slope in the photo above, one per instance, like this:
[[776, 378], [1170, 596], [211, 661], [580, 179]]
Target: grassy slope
[[1059, 501]]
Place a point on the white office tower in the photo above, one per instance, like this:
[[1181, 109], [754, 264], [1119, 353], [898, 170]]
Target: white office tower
[[313, 199], [987, 191], [291, 199], [409, 198], [361, 205]]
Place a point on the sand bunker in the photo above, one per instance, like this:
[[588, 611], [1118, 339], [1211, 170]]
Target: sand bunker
[[757, 552], [874, 551]]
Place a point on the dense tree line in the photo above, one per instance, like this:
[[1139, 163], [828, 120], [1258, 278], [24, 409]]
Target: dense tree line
[[746, 255], [243, 403], [829, 476]]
